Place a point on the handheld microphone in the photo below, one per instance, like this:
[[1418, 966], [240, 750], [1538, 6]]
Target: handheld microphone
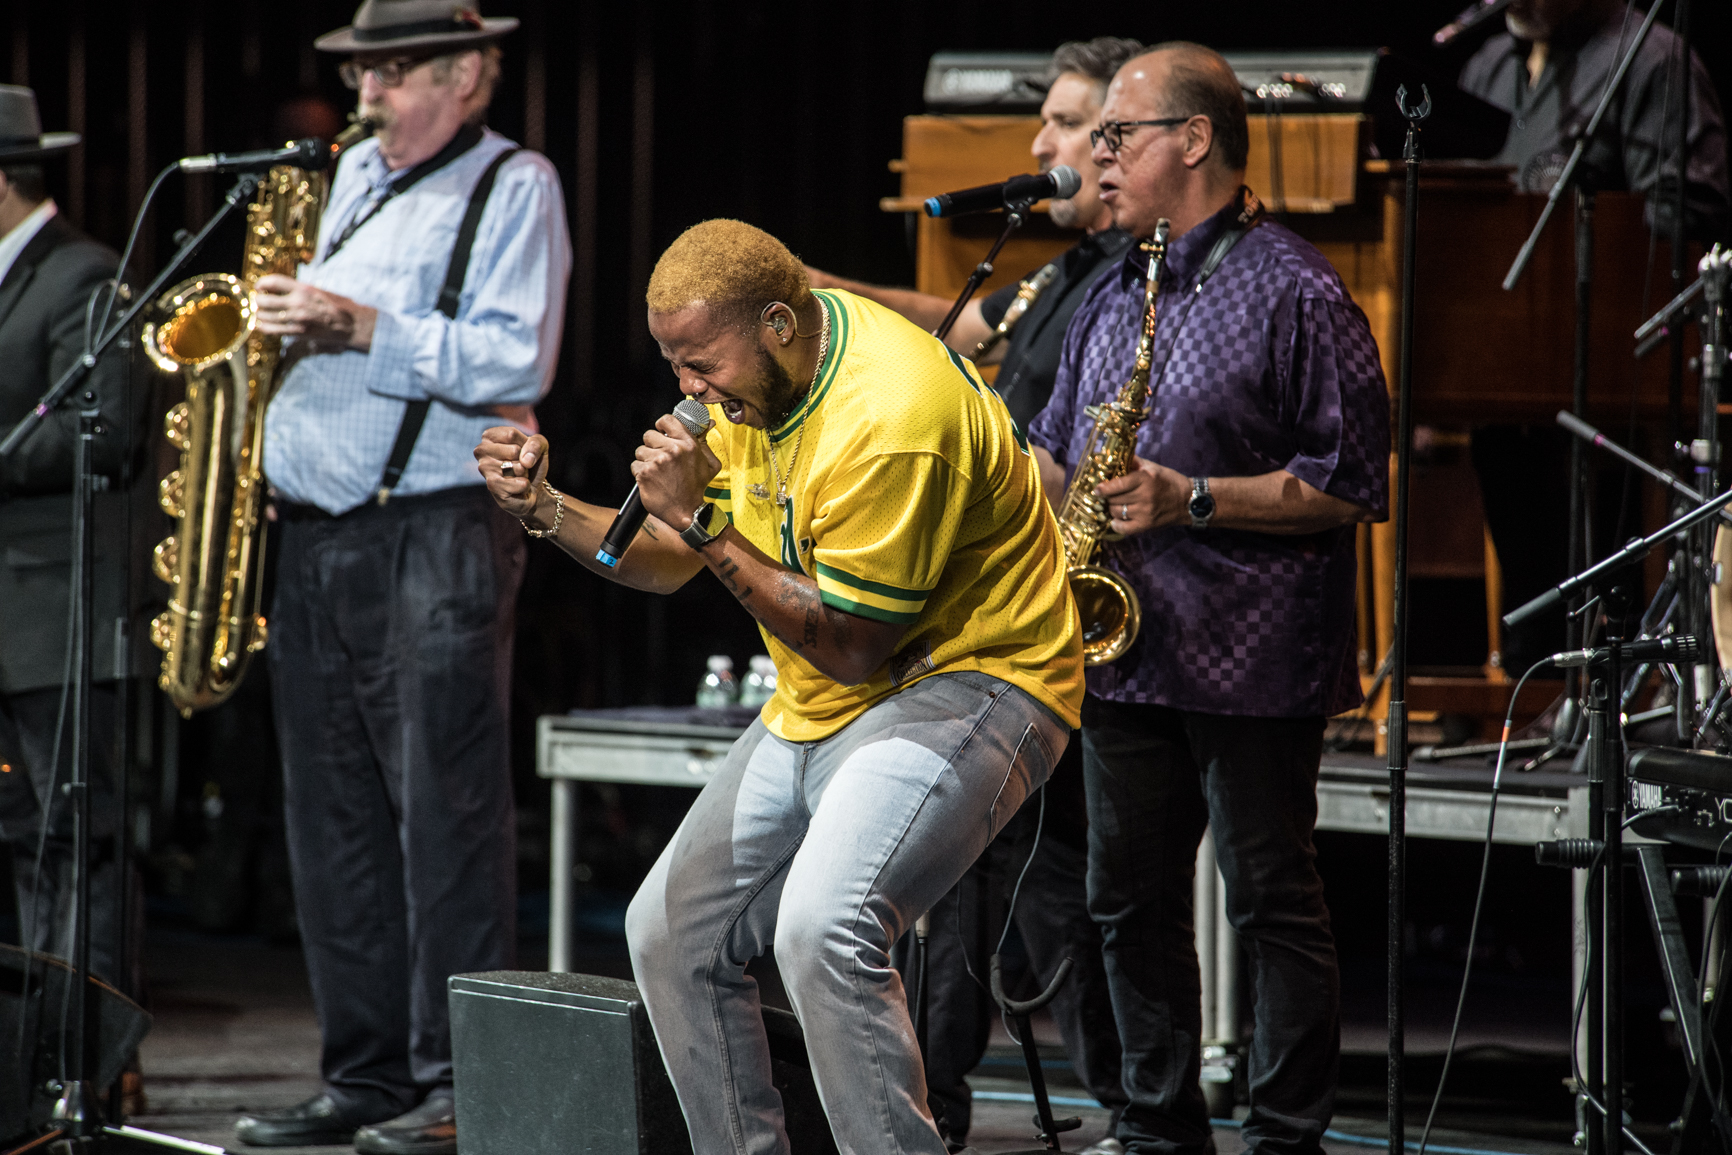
[[1467, 20], [629, 519], [310, 153], [1679, 649], [1060, 183]]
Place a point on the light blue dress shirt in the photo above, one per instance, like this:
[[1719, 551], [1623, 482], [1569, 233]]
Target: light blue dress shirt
[[330, 428]]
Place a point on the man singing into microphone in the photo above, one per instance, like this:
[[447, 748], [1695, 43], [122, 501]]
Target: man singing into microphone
[[868, 499]]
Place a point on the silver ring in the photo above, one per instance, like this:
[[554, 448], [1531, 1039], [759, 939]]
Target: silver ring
[[507, 468], [1124, 513]]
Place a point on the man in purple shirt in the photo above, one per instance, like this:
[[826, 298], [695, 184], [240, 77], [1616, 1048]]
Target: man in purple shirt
[[1267, 440]]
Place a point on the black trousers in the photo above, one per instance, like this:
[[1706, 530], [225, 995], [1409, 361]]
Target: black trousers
[[390, 664], [1156, 777], [29, 785], [1524, 481], [1053, 920]]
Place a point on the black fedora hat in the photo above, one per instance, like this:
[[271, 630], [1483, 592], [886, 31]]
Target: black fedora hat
[[21, 135], [393, 25]]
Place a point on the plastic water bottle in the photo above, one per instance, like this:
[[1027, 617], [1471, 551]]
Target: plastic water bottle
[[760, 683], [719, 689]]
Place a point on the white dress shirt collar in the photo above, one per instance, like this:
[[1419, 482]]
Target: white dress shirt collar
[[22, 234]]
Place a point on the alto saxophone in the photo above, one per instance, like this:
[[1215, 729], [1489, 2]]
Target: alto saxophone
[[214, 560], [1111, 614], [1027, 294]]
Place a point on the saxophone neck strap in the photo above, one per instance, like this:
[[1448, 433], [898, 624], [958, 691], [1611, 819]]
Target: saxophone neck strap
[[1250, 216], [450, 295], [467, 138]]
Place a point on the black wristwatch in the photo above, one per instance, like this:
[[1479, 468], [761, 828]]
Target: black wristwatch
[[707, 525], [1202, 505]]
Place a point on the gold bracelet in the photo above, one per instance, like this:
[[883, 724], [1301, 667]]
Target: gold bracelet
[[558, 513]]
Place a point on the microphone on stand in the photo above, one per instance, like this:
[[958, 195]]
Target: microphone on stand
[[1061, 183], [696, 418], [1679, 649], [1467, 20], [310, 153]]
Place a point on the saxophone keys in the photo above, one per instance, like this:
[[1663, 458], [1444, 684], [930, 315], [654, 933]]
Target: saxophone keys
[[177, 426], [171, 494], [162, 635], [261, 634], [165, 558]]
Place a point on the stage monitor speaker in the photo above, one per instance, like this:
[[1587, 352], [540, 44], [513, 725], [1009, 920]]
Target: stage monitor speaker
[[563, 1064], [114, 1032]]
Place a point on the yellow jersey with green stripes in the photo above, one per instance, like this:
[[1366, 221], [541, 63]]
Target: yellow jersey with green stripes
[[913, 499]]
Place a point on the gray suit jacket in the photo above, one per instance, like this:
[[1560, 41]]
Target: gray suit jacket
[[42, 309]]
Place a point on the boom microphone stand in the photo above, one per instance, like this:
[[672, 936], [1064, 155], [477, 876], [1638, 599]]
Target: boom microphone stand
[[77, 1119], [1397, 724], [1015, 213]]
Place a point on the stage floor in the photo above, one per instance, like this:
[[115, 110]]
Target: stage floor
[[234, 1031]]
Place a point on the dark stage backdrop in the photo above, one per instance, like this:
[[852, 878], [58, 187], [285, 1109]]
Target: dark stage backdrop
[[657, 116]]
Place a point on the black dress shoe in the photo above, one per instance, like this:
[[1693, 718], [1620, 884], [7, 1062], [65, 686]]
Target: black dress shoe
[[430, 1129], [316, 1122]]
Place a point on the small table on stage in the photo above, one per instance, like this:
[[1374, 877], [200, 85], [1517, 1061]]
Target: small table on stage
[[683, 746]]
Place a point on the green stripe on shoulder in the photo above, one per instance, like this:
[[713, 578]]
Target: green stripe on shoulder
[[716, 493], [962, 368], [862, 610]]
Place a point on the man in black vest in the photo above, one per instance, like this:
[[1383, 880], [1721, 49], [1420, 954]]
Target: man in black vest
[[431, 311], [1052, 906], [48, 271]]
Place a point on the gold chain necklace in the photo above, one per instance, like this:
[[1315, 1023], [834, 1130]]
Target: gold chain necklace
[[781, 483]]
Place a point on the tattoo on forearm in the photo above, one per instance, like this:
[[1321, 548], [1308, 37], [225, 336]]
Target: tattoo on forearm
[[726, 569], [650, 529], [799, 598]]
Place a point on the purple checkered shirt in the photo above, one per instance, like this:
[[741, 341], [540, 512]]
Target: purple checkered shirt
[[1269, 366]]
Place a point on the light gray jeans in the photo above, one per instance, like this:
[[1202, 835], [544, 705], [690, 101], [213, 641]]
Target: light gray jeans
[[828, 850]]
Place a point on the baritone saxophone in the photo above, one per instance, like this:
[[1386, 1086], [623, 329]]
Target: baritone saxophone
[[204, 331], [1108, 606]]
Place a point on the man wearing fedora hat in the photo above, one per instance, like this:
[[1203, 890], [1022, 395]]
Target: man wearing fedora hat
[[431, 310], [48, 271]]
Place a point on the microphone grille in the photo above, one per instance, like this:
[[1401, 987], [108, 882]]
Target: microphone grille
[[314, 154], [1066, 182], [694, 415], [1689, 647]]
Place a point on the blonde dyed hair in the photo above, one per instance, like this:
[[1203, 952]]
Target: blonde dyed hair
[[734, 268]]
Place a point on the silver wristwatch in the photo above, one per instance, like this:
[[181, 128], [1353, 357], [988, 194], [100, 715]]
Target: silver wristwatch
[[707, 525], [1202, 507]]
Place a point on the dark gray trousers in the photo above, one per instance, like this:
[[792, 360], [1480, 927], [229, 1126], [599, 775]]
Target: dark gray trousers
[[1156, 778], [29, 785], [390, 658]]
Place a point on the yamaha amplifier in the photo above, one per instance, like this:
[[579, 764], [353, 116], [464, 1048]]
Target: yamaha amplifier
[[566, 1064]]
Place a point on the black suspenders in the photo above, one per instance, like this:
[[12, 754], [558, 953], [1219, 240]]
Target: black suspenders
[[415, 413]]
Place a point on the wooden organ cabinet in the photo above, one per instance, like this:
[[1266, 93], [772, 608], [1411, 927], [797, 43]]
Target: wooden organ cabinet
[[1480, 354]]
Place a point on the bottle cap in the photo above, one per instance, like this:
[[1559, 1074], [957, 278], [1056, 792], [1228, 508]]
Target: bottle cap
[[763, 665], [720, 662]]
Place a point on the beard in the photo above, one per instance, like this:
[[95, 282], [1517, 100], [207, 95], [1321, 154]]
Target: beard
[[780, 393], [1064, 214], [1532, 20]]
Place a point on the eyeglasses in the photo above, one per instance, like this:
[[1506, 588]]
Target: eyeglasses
[[1113, 131], [389, 73]]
